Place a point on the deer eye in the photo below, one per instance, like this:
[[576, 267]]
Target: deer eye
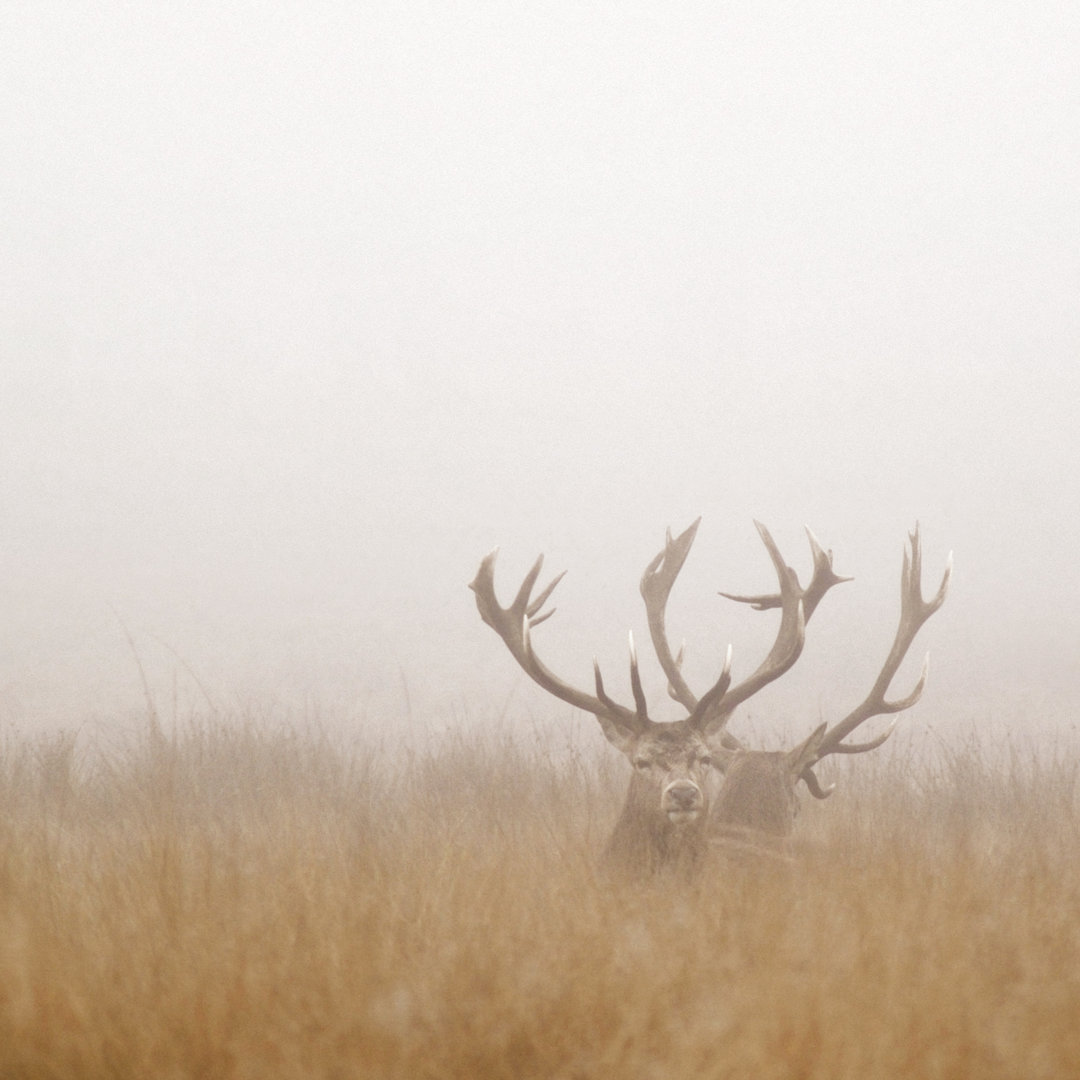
[[642, 763], [705, 761]]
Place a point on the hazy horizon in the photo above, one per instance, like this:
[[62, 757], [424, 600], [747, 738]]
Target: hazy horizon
[[306, 310]]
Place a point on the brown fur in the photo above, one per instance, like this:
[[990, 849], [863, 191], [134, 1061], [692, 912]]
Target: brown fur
[[758, 794]]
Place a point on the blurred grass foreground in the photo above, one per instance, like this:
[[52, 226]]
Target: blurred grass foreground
[[238, 900]]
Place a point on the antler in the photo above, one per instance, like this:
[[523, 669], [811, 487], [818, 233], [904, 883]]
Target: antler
[[914, 611], [790, 637], [796, 604], [513, 624], [656, 583]]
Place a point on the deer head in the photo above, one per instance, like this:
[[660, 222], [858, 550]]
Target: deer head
[[668, 814]]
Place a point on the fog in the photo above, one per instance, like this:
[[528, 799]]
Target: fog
[[307, 307]]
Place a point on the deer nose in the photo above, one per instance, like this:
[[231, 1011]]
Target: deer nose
[[682, 795]]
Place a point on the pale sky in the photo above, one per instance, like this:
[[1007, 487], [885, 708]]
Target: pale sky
[[307, 307]]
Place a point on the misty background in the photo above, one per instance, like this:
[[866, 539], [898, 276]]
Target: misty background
[[307, 307]]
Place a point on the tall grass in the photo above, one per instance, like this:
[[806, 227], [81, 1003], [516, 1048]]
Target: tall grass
[[241, 901]]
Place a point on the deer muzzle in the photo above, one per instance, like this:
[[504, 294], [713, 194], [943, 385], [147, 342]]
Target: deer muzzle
[[682, 801]]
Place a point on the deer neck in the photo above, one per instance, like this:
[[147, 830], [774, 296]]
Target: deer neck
[[644, 841]]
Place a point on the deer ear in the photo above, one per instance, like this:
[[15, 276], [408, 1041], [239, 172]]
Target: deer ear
[[622, 736], [724, 757], [806, 753]]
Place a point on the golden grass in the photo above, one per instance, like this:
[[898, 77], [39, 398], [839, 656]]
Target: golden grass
[[247, 902]]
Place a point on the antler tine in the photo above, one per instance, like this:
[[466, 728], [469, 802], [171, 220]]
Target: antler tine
[[656, 583], [601, 693], [672, 693], [635, 681], [824, 577], [870, 744], [542, 599], [712, 696], [914, 611], [513, 624]]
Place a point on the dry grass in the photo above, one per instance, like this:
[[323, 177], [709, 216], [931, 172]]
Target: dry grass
[[239, 902]]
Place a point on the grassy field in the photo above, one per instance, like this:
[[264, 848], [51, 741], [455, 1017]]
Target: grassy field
[[246, 901]]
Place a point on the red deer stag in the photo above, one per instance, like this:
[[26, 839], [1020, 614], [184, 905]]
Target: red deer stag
[[667, 819]]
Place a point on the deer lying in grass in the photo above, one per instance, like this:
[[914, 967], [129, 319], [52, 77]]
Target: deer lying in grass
[[668, 818]]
